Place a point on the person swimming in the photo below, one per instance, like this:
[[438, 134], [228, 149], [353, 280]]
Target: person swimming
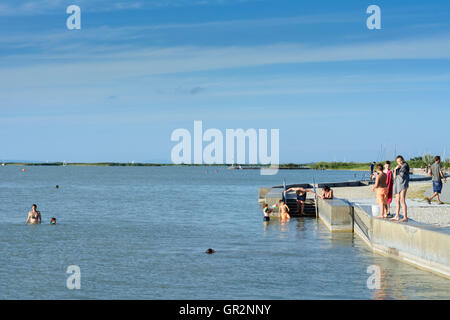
[[53, 220], [210, 251], [34, 216], [283, 211]]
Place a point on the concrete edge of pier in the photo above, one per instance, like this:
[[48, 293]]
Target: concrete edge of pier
[[423, 246]]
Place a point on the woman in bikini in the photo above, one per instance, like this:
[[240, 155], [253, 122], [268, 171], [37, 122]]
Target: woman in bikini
[[34, 216]]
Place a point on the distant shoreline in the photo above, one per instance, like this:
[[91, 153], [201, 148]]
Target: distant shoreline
[[351, 166]]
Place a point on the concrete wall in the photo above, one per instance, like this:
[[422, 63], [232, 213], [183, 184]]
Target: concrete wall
[[336, 214], [424, 247], [262, 193]]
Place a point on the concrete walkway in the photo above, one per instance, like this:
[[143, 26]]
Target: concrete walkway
[[418, 209]]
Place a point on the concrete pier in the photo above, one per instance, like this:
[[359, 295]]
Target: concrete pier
[[420, 245], [337, 215]]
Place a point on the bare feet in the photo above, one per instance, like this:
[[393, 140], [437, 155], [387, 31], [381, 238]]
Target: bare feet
[[379, 217], [440, 202], [396, 218], [404, 220]]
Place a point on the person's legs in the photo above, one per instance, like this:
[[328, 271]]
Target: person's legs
[[380, 203], [397, 209], [381, 215], [432, 197], [403, 201], [303, 206], [385, 210], [438, 191], [298, 206]]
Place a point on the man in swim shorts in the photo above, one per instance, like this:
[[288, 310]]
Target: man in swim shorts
[[438, 175], [301, 197]]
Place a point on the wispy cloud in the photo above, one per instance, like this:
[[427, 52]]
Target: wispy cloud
[[46, 7], [153, 61]]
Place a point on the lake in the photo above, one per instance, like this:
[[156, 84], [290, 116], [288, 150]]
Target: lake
[[141, 233]]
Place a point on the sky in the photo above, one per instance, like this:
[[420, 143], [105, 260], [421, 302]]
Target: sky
[[116, 89]]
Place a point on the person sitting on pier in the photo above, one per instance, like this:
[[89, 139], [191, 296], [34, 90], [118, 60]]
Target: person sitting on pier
[[283, 211], [301, 197], [327, 193]]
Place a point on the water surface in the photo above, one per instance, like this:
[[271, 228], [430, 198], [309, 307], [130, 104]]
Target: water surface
[[141, 233]]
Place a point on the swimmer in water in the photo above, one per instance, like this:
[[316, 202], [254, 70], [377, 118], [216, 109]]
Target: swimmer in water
[[284, 211], [53, 221], [210, 251], [34, 216], [267, 212]]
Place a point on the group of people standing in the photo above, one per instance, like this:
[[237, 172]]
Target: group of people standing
[[389, 183]]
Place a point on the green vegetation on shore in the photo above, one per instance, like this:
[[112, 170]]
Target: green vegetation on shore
[[340, 166]]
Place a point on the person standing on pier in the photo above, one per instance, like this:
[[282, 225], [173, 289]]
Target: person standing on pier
[[390, 186], [372, 168], [401, 184], [382, 190], [438, 175], [301, 197]]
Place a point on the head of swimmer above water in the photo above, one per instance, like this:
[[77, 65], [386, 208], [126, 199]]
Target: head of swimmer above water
[[53, 221]]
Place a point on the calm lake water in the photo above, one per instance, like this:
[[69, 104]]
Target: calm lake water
[[141, 233]]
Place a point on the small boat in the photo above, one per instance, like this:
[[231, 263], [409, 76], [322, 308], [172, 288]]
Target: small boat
[[233, 167]]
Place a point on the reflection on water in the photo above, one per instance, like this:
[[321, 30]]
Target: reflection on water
[[397, 280]]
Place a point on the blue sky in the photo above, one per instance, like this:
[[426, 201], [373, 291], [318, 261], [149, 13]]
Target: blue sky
[[137, 70]]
